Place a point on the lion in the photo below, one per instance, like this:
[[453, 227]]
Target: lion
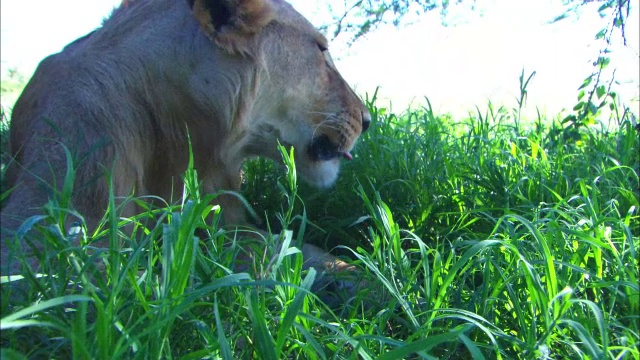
[[228, 79]]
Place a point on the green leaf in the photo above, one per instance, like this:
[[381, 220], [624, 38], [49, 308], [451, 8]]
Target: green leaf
[[476, 354], [420, 345], [569, 119], [265, 345], [602, 62], [12, 321], [225, 348], [586, 82], [294, 309]]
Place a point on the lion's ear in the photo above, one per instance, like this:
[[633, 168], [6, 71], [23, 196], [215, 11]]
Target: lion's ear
[[231, 23]]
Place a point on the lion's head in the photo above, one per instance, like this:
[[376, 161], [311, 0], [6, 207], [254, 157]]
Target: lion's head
[[301, 99]]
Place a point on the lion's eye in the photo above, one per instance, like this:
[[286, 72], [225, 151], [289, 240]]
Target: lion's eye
[[322, 48]]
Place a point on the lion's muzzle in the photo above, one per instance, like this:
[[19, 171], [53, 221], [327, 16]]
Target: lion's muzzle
[[323, 149]]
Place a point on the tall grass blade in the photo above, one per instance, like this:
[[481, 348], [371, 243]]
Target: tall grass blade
[[9, 321], [225, 348], [265, 345], [294, 309]]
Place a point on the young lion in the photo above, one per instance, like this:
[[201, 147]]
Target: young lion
[[234, 76]]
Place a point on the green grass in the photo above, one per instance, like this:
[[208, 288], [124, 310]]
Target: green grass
[[476, 238]]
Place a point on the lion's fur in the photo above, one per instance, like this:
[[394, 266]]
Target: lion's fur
[[125, 100]]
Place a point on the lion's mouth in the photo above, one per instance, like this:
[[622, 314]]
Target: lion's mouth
[[323, 149]]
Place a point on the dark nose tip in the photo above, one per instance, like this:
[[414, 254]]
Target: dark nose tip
[[366, 120]]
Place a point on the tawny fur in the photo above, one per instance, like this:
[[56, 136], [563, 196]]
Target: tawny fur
[[125, 99]]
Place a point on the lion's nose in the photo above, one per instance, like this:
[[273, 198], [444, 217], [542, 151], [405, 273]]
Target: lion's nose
[[366, 120]]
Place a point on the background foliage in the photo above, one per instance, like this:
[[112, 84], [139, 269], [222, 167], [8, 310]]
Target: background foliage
[[474, 238], [356, 18]]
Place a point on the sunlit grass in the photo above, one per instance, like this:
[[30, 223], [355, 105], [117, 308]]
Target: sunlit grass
[[475, 238]]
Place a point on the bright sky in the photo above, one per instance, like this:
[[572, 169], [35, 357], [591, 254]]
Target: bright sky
[[456, 67]]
